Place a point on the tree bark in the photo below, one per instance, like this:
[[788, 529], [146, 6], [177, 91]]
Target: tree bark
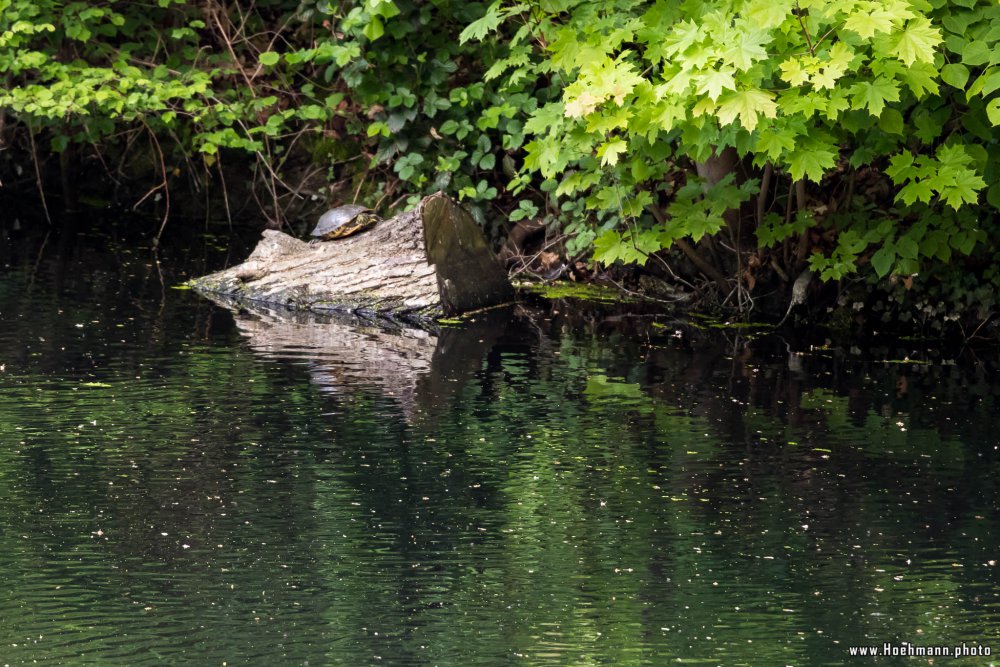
[[424, 263]]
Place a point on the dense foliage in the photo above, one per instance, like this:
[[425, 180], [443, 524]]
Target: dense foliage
[[759, 137]]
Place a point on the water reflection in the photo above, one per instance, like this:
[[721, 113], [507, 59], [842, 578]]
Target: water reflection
[[419, 367], [178, 485]]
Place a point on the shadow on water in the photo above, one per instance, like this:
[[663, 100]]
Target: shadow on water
[[560, 484]]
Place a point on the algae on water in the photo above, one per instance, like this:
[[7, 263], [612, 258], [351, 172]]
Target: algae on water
[[583, 292]]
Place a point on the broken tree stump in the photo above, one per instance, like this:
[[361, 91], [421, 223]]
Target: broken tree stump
[[424, 263]]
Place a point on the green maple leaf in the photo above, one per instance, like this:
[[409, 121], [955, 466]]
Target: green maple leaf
[[769, 13], [747, 104], [676, 81], [916, 42], [483, 26], [566, 49], [793, 73], [545, 119], [811, 160], [901, 167], [954, 156], [610, 152], [874, 94], [773, 142], [645, 242], [825, 79], [668, 116], [914, 192], [746, 48], [964, 190], [921, 78], [682, 37], [838, 102], [608, 247], [870, 18], [805, 105], [610, 119], [714, 82], [839, 60], [612, 78], [544, 155]]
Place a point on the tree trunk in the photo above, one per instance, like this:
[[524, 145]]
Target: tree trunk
[[424, 263]]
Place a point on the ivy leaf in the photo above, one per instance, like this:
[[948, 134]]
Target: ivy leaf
[[374, 29], [955, 75], [883, 259], [891, 121], [269, 58], [916, 42], [874, 94], [746, 104], [907, 247], [975, 53], [993, 111]]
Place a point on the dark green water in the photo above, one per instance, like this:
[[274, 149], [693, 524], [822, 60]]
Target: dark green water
[[177, 487]]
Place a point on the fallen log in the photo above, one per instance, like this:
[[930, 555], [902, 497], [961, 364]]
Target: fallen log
[[429, 262]]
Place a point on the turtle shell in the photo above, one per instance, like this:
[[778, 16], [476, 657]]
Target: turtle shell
[[344, 221]]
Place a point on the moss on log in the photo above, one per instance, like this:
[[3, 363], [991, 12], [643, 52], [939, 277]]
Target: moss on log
[[429, 262]]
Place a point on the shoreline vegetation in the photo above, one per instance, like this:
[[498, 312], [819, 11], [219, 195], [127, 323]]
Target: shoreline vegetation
[[799, 162]]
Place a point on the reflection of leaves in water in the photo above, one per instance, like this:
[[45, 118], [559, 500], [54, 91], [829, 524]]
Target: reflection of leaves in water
[[640, 521], [879, 435], [603, 387]]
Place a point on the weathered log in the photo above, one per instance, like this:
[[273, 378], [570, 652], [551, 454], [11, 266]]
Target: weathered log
[[424, 263]]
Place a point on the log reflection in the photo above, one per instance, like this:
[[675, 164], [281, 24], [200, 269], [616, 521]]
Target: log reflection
[[419, 368]]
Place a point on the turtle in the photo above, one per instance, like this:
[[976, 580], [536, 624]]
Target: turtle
[[343, 221]]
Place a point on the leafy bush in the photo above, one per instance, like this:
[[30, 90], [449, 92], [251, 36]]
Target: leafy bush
[[829, 134], [813, 90]]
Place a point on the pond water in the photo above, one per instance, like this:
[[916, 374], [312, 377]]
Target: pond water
[[179, 485]]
